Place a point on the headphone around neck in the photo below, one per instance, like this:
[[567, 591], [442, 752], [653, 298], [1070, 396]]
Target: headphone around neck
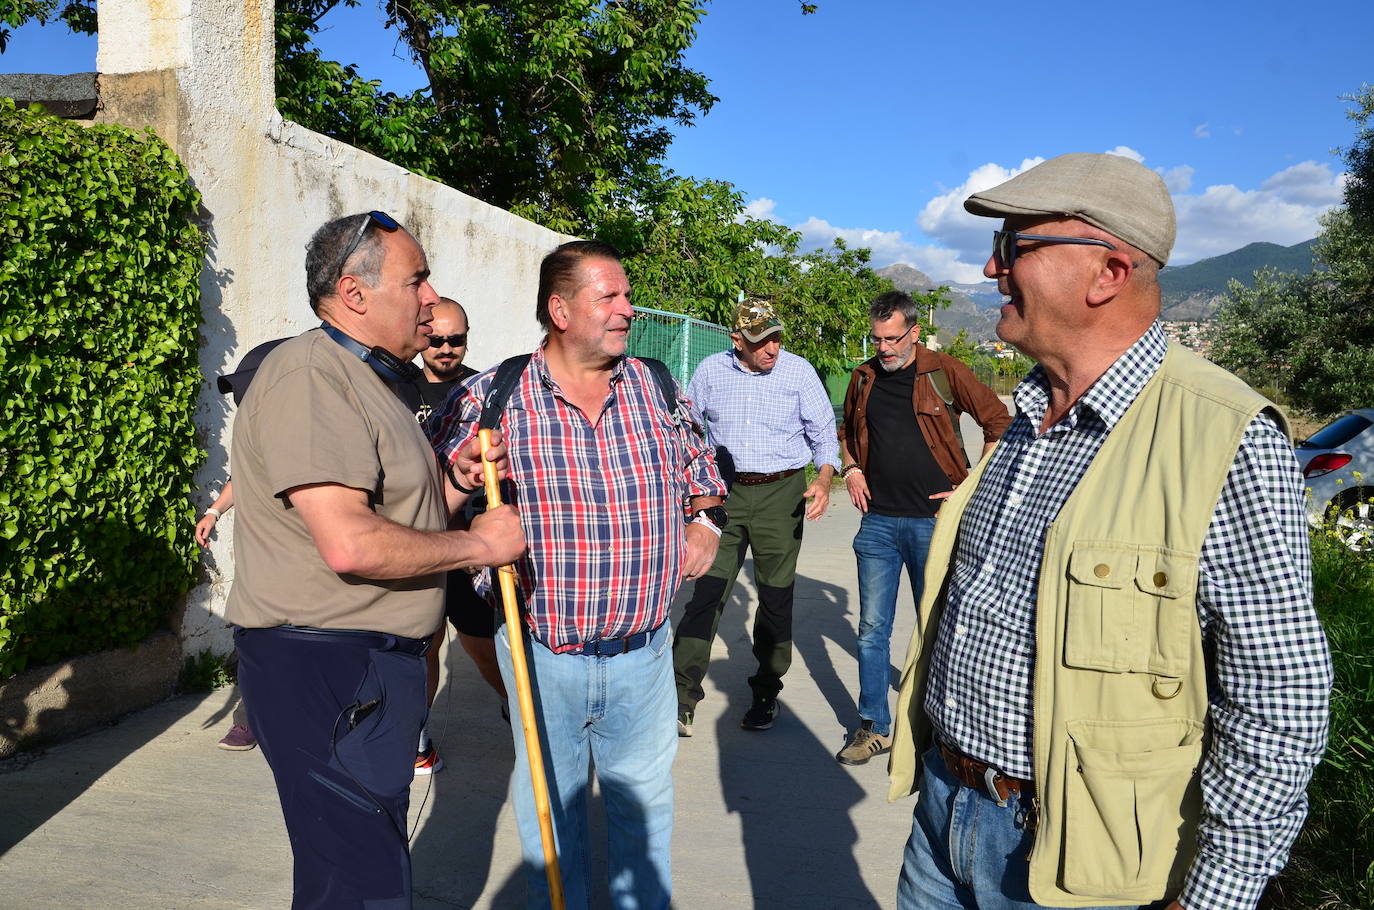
[[384, 363]]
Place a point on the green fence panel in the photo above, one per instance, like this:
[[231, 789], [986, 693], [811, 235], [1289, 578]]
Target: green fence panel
[[679, 341]]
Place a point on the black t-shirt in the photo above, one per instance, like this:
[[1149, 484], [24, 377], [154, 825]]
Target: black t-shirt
[[902, 473], [424, 397]]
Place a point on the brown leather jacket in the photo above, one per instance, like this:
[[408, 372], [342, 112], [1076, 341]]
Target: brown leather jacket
[[970, 396]]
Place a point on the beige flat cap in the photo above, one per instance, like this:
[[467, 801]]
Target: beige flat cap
[[1118, 195]]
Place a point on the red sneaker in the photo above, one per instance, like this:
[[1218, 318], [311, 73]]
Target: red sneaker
[[428, 762], [238, 739]]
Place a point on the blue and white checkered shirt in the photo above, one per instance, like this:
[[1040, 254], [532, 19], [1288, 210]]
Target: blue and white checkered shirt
[[1272, 671], [773, 421]]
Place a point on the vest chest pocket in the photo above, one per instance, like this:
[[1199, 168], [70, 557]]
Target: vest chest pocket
[[1130, 608]]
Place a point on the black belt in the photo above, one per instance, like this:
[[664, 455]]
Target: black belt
[[747, 479], [377, 641], [610, 647]]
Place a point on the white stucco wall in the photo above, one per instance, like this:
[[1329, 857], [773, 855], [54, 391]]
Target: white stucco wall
[[267, 184]]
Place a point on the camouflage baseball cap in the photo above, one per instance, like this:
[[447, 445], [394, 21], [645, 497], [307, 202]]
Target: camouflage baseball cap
[[755, 320]]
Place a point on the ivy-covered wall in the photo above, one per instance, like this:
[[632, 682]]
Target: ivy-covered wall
[[99, 309]]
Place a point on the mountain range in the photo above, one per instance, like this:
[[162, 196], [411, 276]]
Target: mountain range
[[1190, 292]]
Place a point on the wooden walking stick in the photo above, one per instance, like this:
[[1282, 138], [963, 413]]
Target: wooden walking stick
[[515, 630]]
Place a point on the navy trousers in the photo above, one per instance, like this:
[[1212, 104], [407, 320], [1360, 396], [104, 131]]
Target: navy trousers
[[338, 717]]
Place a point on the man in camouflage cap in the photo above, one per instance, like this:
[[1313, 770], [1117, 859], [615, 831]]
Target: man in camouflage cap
[[769, 410]]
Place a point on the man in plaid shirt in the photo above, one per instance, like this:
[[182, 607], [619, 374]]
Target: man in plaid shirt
[[1118, 688], [600, 468]]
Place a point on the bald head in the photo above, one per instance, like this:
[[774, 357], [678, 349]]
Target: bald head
[[450, 326]]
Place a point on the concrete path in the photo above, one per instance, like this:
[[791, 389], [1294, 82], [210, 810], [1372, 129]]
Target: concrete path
[[149, 814]]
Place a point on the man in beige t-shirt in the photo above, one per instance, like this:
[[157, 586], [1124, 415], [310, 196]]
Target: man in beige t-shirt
[[341, 552]]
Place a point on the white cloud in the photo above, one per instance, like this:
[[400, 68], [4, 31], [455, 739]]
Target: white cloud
[[1308, 183], [1201, 131], [890, 246], [970, 237], [1224, 218], [1177, 179], [760, 208], [1125, 151], [1284, 210]]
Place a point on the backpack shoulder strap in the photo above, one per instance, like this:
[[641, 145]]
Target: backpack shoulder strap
[[499, 392], [663, 378], [942, 387]]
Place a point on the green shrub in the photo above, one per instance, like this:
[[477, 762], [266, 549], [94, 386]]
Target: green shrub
[[205, 672], [99, 309], [1332, 866]]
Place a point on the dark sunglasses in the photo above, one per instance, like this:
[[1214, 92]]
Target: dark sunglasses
[[457, 341], [1004, 244], [381, 219]]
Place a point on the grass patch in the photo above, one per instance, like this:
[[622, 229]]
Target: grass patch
[[1332, 866], [205, 672]]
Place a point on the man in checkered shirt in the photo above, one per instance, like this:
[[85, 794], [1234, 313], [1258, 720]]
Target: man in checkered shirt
[[767, 407], [600, 467], [1118, 688]]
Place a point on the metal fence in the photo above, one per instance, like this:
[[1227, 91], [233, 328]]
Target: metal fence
[[679, 341]]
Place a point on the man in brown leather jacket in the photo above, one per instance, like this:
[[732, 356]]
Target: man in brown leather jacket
[[900, 454]]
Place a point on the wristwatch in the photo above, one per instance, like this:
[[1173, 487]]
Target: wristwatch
[[716, 515]]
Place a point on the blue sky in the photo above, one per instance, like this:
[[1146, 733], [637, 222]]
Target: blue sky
[[873, 119]]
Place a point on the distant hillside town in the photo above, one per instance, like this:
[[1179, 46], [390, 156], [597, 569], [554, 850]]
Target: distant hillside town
[[1191, 293]]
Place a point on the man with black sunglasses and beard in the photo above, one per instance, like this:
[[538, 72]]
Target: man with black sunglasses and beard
[[1118, 688], [471, 615], [341, 551], [444, 369]]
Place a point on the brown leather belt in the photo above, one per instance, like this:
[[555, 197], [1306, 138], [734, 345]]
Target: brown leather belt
[[978, 775], [744, 478]]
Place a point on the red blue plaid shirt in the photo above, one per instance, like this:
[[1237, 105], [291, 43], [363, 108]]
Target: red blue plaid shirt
[[600, 499]]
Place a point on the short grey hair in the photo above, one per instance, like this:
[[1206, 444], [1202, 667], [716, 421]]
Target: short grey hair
[[322, 267], [892, 302]]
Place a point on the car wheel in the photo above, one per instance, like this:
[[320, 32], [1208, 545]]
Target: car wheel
[[1352, 517]]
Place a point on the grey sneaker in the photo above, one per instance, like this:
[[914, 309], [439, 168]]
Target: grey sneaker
[[864, 745], [760, 715], [684, 721]]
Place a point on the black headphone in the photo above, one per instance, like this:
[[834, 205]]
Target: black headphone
[[386, 364]]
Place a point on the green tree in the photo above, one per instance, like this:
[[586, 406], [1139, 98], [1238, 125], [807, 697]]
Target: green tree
[[1311, 337], [823, 300], [961, 347], [1359, 158], [690, 248], [79, 15], [561, 111]]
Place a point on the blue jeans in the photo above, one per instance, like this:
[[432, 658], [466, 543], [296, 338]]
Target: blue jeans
[[621, 713], [883, 546], [965, 851]]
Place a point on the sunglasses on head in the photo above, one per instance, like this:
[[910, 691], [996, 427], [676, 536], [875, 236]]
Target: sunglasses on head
[[1004, 244], [381, 219], [457, 341]]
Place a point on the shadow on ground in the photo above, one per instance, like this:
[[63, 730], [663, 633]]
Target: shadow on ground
[[794, 801]]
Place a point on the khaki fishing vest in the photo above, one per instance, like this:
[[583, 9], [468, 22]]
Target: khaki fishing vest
[[1119, 692]]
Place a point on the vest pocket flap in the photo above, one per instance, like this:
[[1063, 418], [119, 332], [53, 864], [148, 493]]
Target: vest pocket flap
[[1165, 573], [1102, 567], [1131, 738], [1132, 800]]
